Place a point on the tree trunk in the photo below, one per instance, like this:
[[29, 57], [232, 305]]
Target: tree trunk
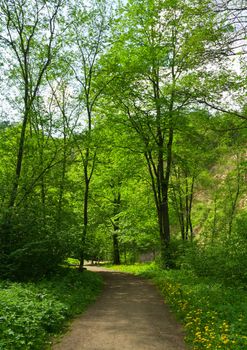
[[190, 207], [61, 187], [234, 201], [116, 253], [85, 223], [6, 226], [19, 161], [179, 203]]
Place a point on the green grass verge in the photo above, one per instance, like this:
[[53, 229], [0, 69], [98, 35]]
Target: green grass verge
[[31, 312], [214, 316]]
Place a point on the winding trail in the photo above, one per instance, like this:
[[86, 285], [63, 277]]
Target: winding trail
[[129, 315]]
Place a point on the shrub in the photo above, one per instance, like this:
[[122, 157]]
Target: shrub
[[30, 312], [223, 261]]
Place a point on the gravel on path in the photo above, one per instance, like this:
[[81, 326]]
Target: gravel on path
[[129, 315]]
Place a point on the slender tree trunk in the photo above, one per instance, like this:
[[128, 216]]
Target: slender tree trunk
[[180, 204], [165, 189], [19, 160], [215, 217], [6, 226], [163, 200], [179, 208], [85, 221], [181, 216], [234, 201], [61, 192], [187, 206], [190, 208], [64, 165], [43, 193], [116, 253]]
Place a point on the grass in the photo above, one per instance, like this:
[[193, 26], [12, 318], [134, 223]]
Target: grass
[[214, 315], [31, 312]]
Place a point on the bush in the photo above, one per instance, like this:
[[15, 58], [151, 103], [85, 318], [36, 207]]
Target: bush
[[26, 317], [223, 261], [27, 240], [40, 255], [30, 312], [240, 226]]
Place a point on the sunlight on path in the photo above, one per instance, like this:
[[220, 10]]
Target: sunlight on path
[[129, 315]]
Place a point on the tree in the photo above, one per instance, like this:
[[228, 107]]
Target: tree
[[28, 33], [194, 153], [160, 51], [89, 30]]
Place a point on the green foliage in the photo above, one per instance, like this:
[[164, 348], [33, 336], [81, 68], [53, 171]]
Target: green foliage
[[214, 316], [174, 254], [122, 110], [224, 262], [240, 226], [29, 313], [29, 244], [43, 226]]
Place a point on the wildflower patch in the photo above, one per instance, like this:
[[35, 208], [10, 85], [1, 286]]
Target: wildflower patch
[[214, 316]]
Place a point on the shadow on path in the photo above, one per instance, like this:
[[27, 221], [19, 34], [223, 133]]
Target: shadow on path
[[129, 315]]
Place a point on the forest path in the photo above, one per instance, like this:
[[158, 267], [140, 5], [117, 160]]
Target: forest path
[[129, 315]]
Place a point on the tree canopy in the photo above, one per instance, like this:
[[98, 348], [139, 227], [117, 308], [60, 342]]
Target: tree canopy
[[122, 130]]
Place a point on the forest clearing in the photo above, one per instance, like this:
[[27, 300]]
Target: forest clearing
[[123, 140]]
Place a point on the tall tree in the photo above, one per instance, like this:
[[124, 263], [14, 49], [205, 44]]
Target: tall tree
[[28, 30], [158, 53], [89, 31], [28, 34]]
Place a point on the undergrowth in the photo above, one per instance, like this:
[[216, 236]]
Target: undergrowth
[[214, 315], [31, 312]]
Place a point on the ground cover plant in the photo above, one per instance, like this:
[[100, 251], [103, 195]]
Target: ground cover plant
[[31, 312], [214, 315]]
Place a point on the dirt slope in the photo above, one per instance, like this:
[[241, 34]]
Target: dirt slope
[[129, 315]]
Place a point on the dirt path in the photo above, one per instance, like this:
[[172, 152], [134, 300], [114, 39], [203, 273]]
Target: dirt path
[[129, 315]]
